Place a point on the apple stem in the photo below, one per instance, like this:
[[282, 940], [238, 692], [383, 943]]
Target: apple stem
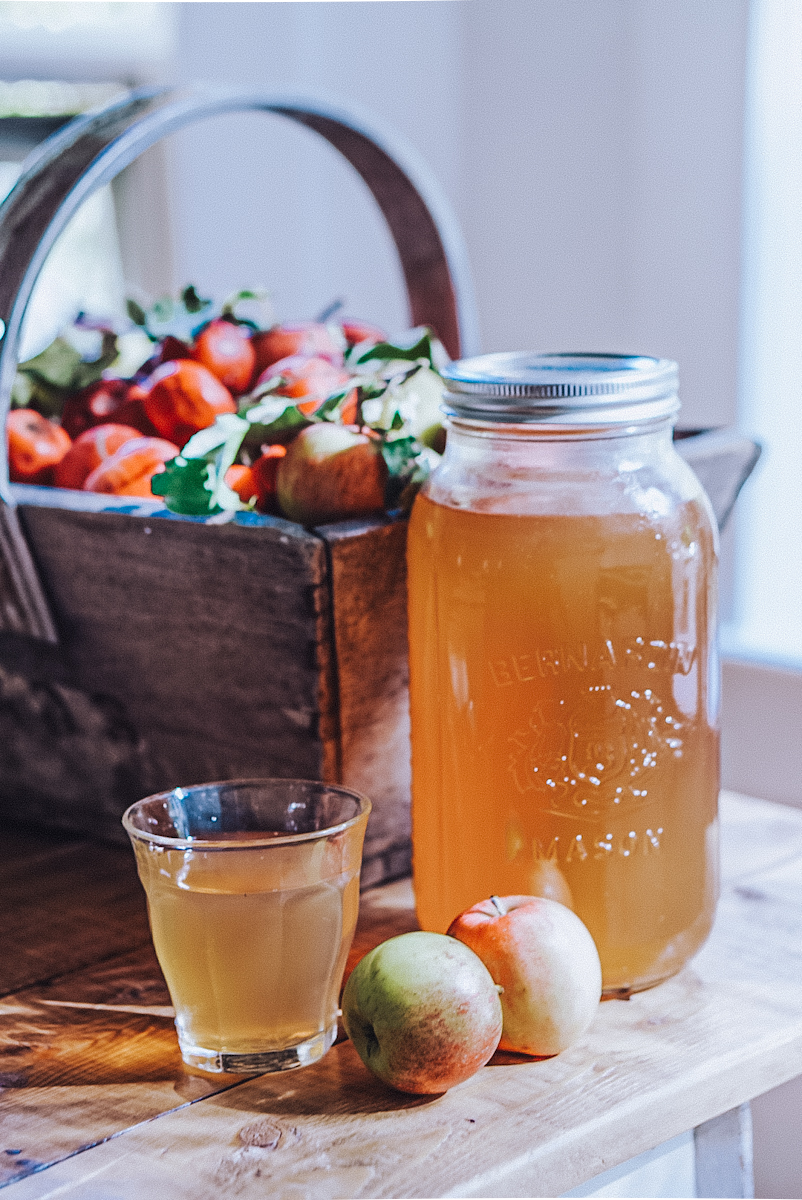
[[494, 900]]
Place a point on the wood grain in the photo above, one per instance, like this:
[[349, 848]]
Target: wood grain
[[195, 653], [90, 1053], [727, 1028], [369, 620], [67, 906], [218, 652]]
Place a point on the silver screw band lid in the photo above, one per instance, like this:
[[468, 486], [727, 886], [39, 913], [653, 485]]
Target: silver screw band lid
[[524, 387]]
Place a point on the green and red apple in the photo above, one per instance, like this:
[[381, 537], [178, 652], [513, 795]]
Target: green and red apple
[[423, 1012], [330, 473]]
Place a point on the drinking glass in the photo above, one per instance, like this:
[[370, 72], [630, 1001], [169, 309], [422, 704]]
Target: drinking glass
[[253, 895]]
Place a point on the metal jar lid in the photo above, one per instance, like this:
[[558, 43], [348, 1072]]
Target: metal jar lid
[[561, 389]]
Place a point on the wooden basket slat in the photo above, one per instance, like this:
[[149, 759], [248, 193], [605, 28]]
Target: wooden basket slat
[[369, 620], [211, 644]]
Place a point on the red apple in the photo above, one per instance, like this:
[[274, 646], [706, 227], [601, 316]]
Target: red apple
[[225, 349], [422, 1012], [307, 338], [258, 481], [546, 961], [308, 380], [109, 400], [89, 450], [357, 332]]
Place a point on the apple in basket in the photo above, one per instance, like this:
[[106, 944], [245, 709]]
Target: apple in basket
[[330, 473]]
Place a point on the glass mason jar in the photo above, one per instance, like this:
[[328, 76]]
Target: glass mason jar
[[564, 675]]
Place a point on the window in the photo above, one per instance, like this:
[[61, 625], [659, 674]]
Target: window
[[56, 60], [768, 605]]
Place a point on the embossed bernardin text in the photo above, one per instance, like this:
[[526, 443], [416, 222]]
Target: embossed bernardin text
[[668, 658]]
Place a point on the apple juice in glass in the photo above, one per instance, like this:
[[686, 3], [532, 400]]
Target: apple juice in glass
[[564, 679], [253, 894]]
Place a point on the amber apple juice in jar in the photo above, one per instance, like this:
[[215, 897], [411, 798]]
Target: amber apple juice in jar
[[564, 678]]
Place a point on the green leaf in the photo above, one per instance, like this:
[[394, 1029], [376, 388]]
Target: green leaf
[[252, 307], [57, 364], [400, 454], [187, 486], [272, 419], [259, 394], [408, 468], [194, 483], [90, 371], [283, 429], [23, 391], [224, 497], [329, 409], [373, 389], [58, 371], [182, 318], [192, 302], [136, 312], [390, 352], [228, 429]]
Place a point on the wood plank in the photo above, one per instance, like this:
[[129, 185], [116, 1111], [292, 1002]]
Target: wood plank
[[86, 1056], [100, 1043], [727, 1028], [168, 613], [369, 606], [67, 907], [723, 1152]]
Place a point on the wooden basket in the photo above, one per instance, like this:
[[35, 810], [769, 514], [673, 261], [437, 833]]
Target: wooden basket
[[137, 652], [140, 651]]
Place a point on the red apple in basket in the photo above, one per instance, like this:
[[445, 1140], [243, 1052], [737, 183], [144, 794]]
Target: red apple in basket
[[422, 1012], [306, 338], [545, 960]]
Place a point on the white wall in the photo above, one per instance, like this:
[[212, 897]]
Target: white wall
[[260, 200], [591, 148]]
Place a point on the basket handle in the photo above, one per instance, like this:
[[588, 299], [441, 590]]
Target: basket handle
[[93, 149]]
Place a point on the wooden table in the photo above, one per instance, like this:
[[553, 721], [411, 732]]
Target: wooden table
[[88, 1057]]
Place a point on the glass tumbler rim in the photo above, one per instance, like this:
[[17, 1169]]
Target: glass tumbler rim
[[221, 843]]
